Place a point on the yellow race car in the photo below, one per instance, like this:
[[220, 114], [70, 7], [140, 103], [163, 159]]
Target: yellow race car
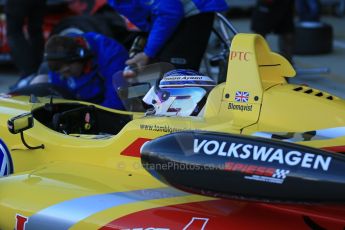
[[257, 152]]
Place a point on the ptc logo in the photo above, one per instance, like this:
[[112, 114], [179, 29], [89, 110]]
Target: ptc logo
[[5, 160]]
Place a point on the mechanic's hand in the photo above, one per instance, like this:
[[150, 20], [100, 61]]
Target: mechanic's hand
[[135, 63], [140, 59]]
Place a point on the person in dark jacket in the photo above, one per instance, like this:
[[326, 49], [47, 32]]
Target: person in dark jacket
[[85, 64], [178, 30], [276, 16], [308, 10], [26, 49]]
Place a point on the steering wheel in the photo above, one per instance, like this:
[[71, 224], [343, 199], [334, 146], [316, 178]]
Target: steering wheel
[[81, 120]]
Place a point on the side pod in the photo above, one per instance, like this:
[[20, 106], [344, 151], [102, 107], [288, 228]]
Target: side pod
[[245, 167]]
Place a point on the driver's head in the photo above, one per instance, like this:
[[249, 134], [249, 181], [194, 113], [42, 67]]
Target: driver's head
[[67, 54], [179, 93]]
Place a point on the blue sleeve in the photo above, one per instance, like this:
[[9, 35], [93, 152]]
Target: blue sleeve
[[158, 17], [110, 60], [55, 78], [110, 54], [137, 12], [167, 15]]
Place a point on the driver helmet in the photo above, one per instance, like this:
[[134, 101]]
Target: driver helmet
[[180, 92]]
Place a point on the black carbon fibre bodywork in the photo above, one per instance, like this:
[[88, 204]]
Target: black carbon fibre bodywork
[[245, 167]]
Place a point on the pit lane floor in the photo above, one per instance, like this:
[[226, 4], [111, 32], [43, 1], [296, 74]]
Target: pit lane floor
[[332, 82]]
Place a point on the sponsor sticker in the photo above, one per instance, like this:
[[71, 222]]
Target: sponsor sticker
[[258, 173], [242, 108], [241, 96], [160, 128], [262, 153], [5, 160], [240, 55], [179, 78]]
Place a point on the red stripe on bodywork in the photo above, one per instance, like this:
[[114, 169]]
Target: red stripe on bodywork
[[133, 150], [336, 149], [230, 214]]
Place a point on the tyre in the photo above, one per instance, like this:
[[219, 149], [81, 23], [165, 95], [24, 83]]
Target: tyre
[[313, 38]]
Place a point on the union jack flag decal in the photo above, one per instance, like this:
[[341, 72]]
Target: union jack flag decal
[[241, 96]]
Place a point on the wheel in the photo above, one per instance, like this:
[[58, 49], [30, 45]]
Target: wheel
[[313, 38]]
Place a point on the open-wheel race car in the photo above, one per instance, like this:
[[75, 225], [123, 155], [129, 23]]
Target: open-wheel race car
[[259, 154]]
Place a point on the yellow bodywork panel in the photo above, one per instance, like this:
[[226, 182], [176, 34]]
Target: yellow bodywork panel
[[252, 68]]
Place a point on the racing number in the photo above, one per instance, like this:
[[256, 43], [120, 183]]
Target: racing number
[[20, 222], [196, 223]]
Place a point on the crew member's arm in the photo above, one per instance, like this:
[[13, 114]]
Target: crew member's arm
[[166, 16]]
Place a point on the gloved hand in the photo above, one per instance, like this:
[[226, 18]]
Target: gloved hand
[[136, 63]]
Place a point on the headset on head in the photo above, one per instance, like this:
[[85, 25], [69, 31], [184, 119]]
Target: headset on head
[[82, 52]]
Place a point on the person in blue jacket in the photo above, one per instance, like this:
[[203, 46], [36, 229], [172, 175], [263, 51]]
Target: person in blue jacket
[[178, 30], [84, 64]]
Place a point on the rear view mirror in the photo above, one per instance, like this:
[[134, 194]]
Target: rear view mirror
[[20, 123]]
